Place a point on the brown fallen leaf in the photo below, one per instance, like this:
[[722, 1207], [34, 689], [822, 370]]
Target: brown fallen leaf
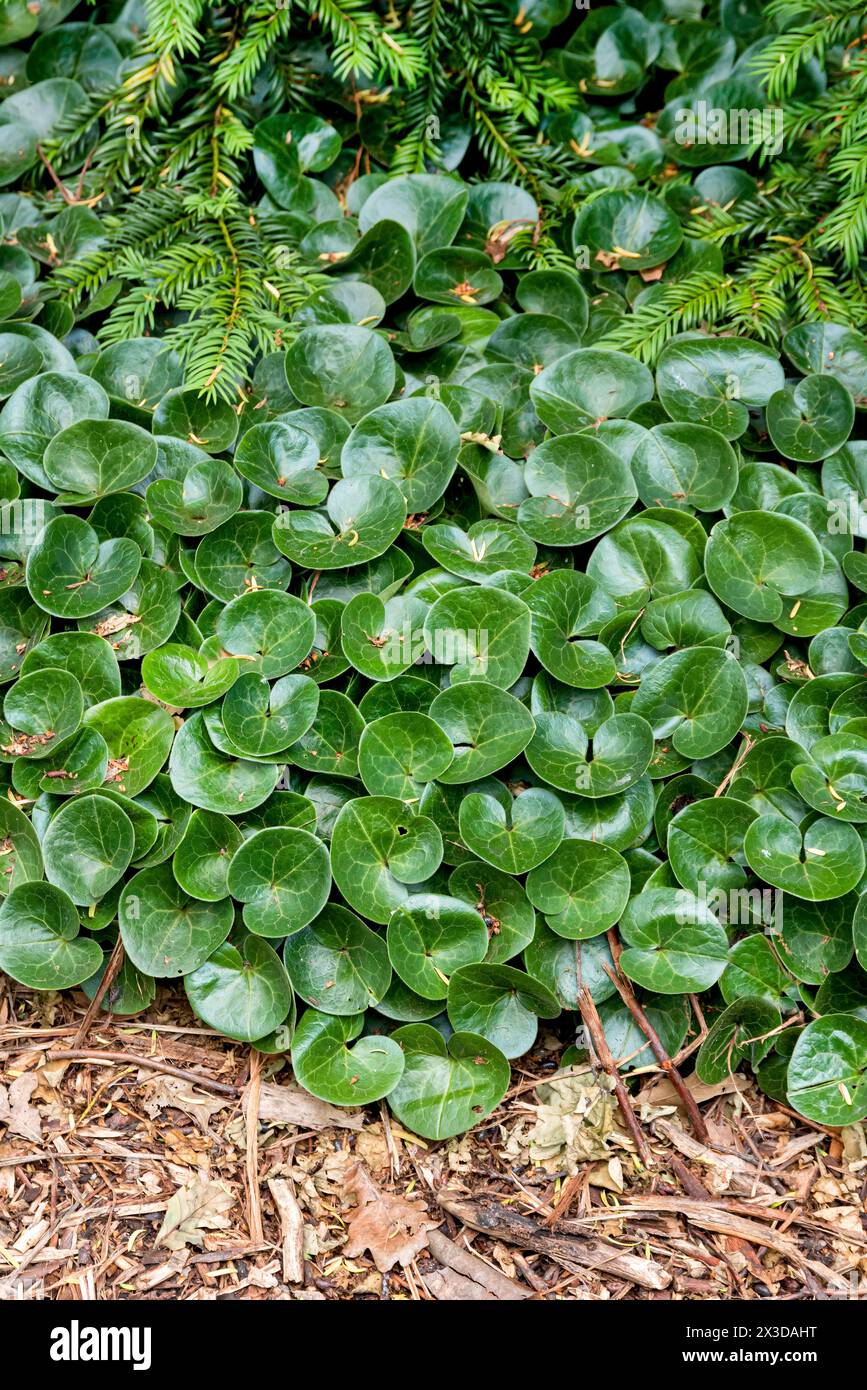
[[170, 1092], [16, 1112], [391, 1228], [475, 1270], [448, 1286], [194, 1209], [662, 1092], [289, 1105]]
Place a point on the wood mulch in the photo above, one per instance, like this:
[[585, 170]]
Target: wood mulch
[[155, 1160]]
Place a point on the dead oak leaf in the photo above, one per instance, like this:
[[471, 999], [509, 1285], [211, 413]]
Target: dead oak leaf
[[170, 1092], [391, 1228], [194, 1209], [16, 1112]]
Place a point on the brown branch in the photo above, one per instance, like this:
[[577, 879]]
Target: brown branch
[[115, 961], [154, 1063], [593, 1024], [624, 989], [689, 1048], [251, 1121]]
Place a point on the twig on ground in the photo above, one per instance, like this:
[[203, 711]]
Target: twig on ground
[[115, 961], [593, 1024], [624, 989], [155, 1064], [251, 1120]]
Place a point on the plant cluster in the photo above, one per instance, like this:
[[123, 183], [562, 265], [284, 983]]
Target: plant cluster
[[417, 618]]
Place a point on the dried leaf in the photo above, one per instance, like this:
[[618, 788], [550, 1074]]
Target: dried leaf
[[575, 1122], [15, 1109], [194, 1209], [392, 1229], [171, 1092], [289, 1105], [447, 1286]]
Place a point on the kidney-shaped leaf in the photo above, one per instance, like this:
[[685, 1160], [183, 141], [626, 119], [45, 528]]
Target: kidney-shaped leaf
[[446, 1087], [328, 1067], [39, 942]]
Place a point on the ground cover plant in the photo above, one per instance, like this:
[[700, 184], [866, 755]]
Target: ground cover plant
[[433, 585]]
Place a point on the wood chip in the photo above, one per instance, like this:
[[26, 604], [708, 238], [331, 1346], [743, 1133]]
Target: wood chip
[[292, 1226], [289, 1105]]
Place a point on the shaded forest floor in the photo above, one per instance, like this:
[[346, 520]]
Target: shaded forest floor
[[131, 1166]]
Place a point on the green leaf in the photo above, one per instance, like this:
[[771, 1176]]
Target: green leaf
[[330, 745], [139, 736], [697, 698], [674, 943], [400, 753], [329, 1068], [90, 659], [283, 460], [705, 843], [95, 457], [39, 942], [166, 933], [268, 631], [201, 860], [502, 904], [685, 465], [812, 419], [185, 678], [754, 560], [500, 1004], [446, 1087], [211, 425], [814, 939], [715, 382], [213, 781], [582, 889], [208, 494], [430, 206], [383, 638], [579, 488], [71, 574], [242, 990], [429, 937], [485, 548], [617, 756], [87, 848], [361, 519], [487, 727], [414, 442], [282, 876], [346, 368], [337, 964], [565, 607], [627, 230], [512, 835], [754, 972], [587, 387], [738, 1034], [42, 708], [261, 719], [824, 861], [239, 556], [827, 1076], [482, 634]]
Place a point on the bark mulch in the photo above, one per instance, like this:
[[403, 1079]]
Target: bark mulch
[[148, 1158]]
